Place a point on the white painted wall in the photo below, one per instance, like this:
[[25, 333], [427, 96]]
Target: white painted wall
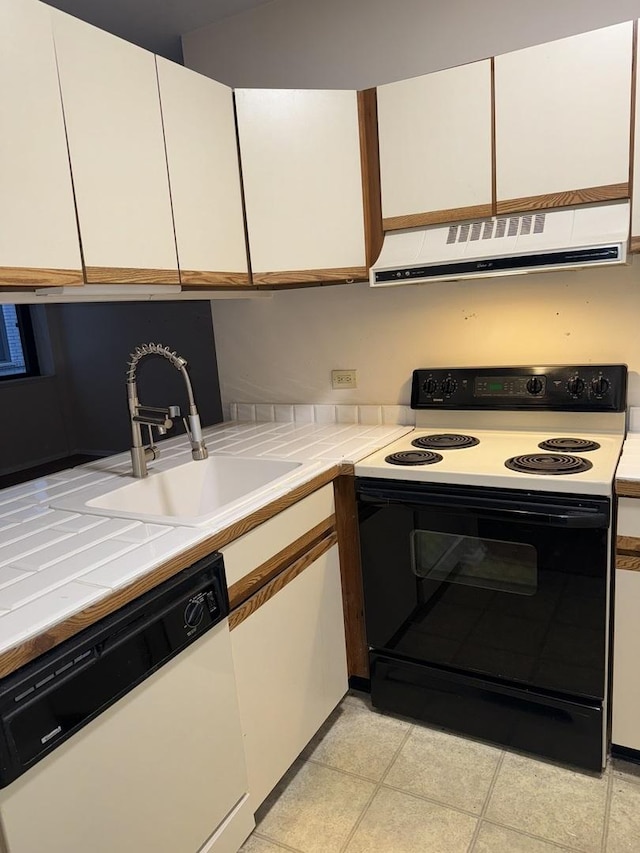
[[283, 349], [354, 44]]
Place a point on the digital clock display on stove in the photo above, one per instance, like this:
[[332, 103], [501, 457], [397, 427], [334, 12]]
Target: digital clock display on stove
[[503, 386]]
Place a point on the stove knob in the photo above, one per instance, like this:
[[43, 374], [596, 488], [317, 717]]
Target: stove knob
[[534, 385], [430, 386], [599, 386], [449, 385], [575, 386]]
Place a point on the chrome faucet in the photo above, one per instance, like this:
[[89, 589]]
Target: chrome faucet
[[161, 419]]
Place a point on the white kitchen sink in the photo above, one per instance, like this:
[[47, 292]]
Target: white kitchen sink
[[189, 494]]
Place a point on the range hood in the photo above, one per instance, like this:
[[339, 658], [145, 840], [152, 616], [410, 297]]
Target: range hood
[[571, 238]]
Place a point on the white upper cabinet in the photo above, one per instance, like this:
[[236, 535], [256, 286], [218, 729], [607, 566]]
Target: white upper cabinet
[[435, 147], [38, 231], [112, 111], [562, 120], [300, 155], [202, 156]]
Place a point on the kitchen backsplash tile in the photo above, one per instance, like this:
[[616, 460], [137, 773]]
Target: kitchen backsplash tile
[[323, 413]]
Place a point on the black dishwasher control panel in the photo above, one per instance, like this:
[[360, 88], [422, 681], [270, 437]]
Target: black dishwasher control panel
[[45, 702]]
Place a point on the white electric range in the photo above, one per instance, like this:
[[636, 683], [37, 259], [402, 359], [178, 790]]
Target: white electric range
[[486, 542]]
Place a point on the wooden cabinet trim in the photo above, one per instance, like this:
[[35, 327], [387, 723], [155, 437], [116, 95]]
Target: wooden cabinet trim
[[209, 277], [634, 245], [351, 576], [437, 217], [19, 655], [370, 164], [567, 198], [292, 277], [627, 488], [250, 584], [280, 581], [38, 277], [130, 275], [628, 545], [627, 563]]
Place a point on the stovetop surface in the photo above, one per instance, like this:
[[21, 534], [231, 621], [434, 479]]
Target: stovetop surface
[[483, 464]]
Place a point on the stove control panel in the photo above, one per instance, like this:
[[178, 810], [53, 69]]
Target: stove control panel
[[585, 388]]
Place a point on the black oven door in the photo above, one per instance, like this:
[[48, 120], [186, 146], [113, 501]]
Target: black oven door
[[501, 584]]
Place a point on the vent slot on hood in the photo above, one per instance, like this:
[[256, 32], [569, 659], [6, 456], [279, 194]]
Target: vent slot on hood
[[487, 229]]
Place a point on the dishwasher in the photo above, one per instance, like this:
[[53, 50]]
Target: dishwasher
[[127, 736]]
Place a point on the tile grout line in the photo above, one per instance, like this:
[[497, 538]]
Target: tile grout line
[[377, 787], [519, 831], [607, 811], [485, 805], [272, 841]]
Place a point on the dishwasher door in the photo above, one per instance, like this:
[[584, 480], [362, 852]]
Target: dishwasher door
[[160, 771]]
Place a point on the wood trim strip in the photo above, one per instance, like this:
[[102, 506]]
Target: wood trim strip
[[351, 576], [250, 584], [40, 277], [130, 275], [627, 563], [208, 277], [628, 545], [627, 488], [338, 275], [274, 586], [587, 195], [370, 167], [18, 656], [634, 245], [437, 217], [494, 158], [632, 113]]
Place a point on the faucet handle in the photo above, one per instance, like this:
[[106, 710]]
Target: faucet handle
[[173, 411]]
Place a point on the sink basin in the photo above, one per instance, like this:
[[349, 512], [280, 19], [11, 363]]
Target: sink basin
[[189, 494]]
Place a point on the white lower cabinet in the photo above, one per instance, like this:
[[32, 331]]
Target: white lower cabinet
[[626, 638], [291, 670]]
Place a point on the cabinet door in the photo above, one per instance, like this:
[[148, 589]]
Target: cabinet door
[[300, 154], [38, 232], [202, 156], [291, 670], [562, 121], [112, 111], [626, 653], [435, 147], [625, 700]]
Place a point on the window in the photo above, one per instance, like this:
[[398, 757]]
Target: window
[[17, 345]]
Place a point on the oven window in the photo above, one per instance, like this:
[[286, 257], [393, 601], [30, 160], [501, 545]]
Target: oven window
[[473, 561]]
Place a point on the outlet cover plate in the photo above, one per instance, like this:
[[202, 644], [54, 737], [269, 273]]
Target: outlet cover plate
[[343, 379]]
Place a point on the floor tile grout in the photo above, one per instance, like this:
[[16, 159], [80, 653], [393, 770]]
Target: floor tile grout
[[279, 844], [485, 805], [377, 788], [528, 834], [607, 812]]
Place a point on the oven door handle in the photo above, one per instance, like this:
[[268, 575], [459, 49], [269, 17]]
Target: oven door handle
[[562, 516]]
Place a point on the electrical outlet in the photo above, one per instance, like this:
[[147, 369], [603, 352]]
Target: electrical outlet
[[343, 379]]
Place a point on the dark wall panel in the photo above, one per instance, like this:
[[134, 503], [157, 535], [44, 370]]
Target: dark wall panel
[[96, 342], [80, 406]]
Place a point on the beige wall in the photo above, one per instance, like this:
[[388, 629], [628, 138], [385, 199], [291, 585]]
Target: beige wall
[[283, 349], [354, 44]]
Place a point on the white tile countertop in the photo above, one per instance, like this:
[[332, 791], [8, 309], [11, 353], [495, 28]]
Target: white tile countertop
[[54, 562], [629, 464]]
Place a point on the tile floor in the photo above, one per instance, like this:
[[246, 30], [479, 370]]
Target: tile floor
[[375, 783]]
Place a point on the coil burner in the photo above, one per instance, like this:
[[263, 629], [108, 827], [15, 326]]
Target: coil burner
[[446, 441], [548, 463], [569, 445], [413, 457]]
